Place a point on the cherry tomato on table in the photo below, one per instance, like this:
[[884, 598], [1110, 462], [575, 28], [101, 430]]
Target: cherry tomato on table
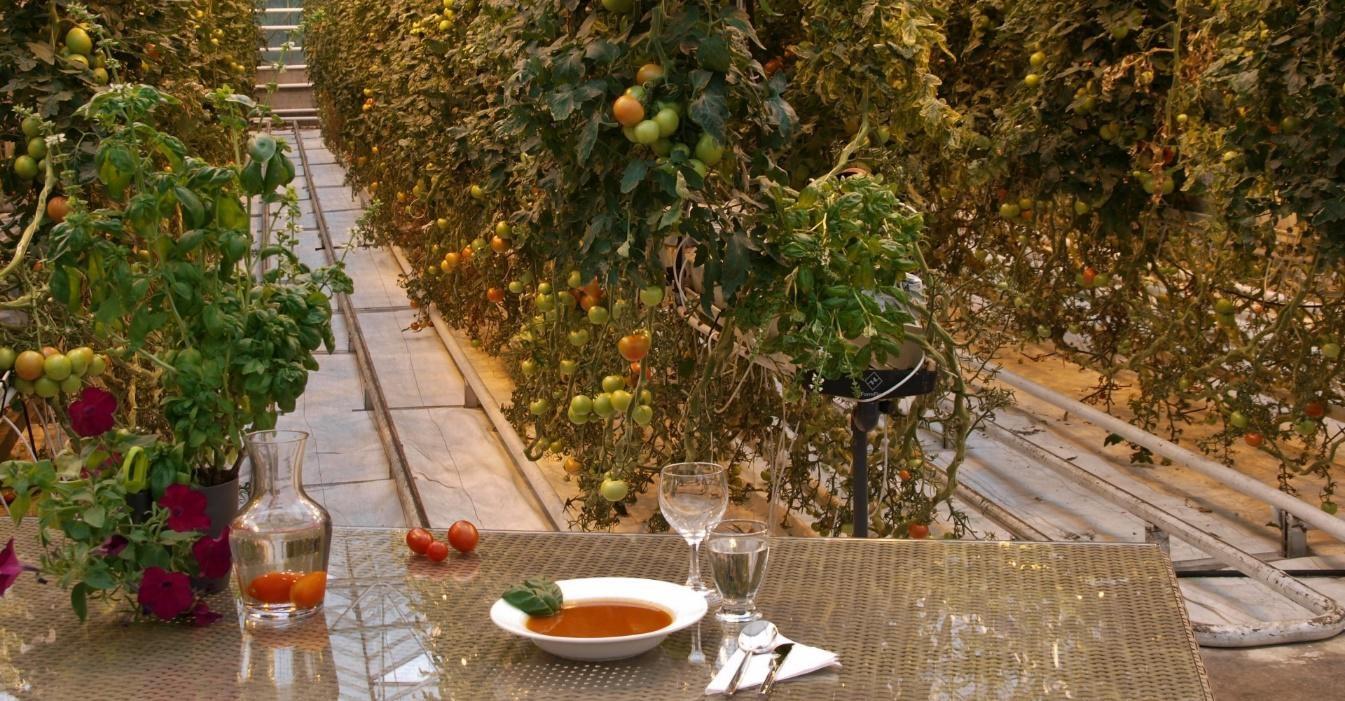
[[463, 536], [437, 551], [418, 539]]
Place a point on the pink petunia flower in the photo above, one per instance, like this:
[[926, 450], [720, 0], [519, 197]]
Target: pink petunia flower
[[113, 546], [93, 413], [212, 555], [165, 594], [186, 508], [10, 567], [201, 615]]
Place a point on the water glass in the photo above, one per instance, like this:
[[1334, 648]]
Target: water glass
[[692, 497], [739, 549]]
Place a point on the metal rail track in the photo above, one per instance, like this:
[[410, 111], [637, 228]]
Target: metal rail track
[[412, 504]]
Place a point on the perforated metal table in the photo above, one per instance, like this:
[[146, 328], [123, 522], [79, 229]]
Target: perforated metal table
[[911, 620]]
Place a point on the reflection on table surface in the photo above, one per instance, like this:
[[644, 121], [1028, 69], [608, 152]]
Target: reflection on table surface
[[926, 620]]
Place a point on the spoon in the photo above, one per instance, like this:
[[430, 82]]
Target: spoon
[[755, 638]]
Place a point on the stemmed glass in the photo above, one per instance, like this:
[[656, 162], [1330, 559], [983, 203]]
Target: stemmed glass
[[693, 497]]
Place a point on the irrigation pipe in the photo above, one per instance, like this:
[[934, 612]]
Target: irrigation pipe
[[1225, 475]]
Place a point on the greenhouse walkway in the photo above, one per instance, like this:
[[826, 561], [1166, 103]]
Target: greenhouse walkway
[[455, 465]]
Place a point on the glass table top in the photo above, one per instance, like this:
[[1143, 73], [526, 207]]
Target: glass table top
[[910, 620]]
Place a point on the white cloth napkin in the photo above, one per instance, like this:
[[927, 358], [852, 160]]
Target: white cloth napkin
[[800, 661]]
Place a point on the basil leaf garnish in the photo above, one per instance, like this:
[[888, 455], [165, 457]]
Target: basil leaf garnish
[[536, 597]]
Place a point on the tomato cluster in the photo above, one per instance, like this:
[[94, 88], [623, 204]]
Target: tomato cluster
[[462, 536], [49, 372]]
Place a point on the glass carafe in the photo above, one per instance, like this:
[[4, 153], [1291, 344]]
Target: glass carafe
[[281, 538]]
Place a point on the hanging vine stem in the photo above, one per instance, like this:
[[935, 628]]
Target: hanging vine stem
[[31, 230]]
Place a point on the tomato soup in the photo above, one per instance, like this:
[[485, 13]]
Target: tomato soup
[[601, 619]]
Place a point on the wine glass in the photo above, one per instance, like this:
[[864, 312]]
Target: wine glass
[[693, 497]]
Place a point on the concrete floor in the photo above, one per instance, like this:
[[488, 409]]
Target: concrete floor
[[457, 463]]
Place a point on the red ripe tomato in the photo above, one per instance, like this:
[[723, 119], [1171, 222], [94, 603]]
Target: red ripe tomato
[[1089, 275], [437, 551], [918, 531], [1314, 409], [905, 475], [57, 208], [418, 539], [633, 347], [1254, 439], [495, 295], [273, 587], [463, 536]]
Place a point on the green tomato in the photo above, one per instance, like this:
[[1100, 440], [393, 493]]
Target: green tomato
[[578, 338], [477, 192], [597, 315], [37, 148], [1304, 427], [25, 167], [1037, 59], [574, 280], [629, 133], [98, 365], [667, 121], [708, 150], [620, 308], [516, 287], [577, 419], [613, 490], [602, 405], [70, 386], [80, 360], [442, 223], [652, 296], [544, 302], [638, 92], [537, 407], [78, 41], [544, 288], [479, 244], [1224, 307], [646, 397], [46, 388], [1032, 80], [529, 367], [31, 126], [1009, 211], [1238, 420], [647, 132], [1331, 351], [680, 153], [581, 404], [612, 383], [7, 356], [24, 387], [1080, 207], [700, 168], [643, 415], [56, 367], [621, 400], [662, 147]]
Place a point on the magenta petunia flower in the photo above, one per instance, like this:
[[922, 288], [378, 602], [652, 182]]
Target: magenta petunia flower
[[201, 614], [92, 414], [10, 567], [165, 594], [186, 508], [113, 546], [212, 555]]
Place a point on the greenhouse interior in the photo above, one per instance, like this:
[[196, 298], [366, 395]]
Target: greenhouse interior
[[672, 349]]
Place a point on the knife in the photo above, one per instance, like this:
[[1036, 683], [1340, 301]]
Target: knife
[[778, 659]]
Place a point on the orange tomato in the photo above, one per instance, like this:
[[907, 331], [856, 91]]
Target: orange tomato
[[633, 347], [273, 587], [498, 244], [495, 295], [57, 208], [466, 254], [649, 73], [309, 590], [593, 289], [628, 111], [586, 302], [29, 365]]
